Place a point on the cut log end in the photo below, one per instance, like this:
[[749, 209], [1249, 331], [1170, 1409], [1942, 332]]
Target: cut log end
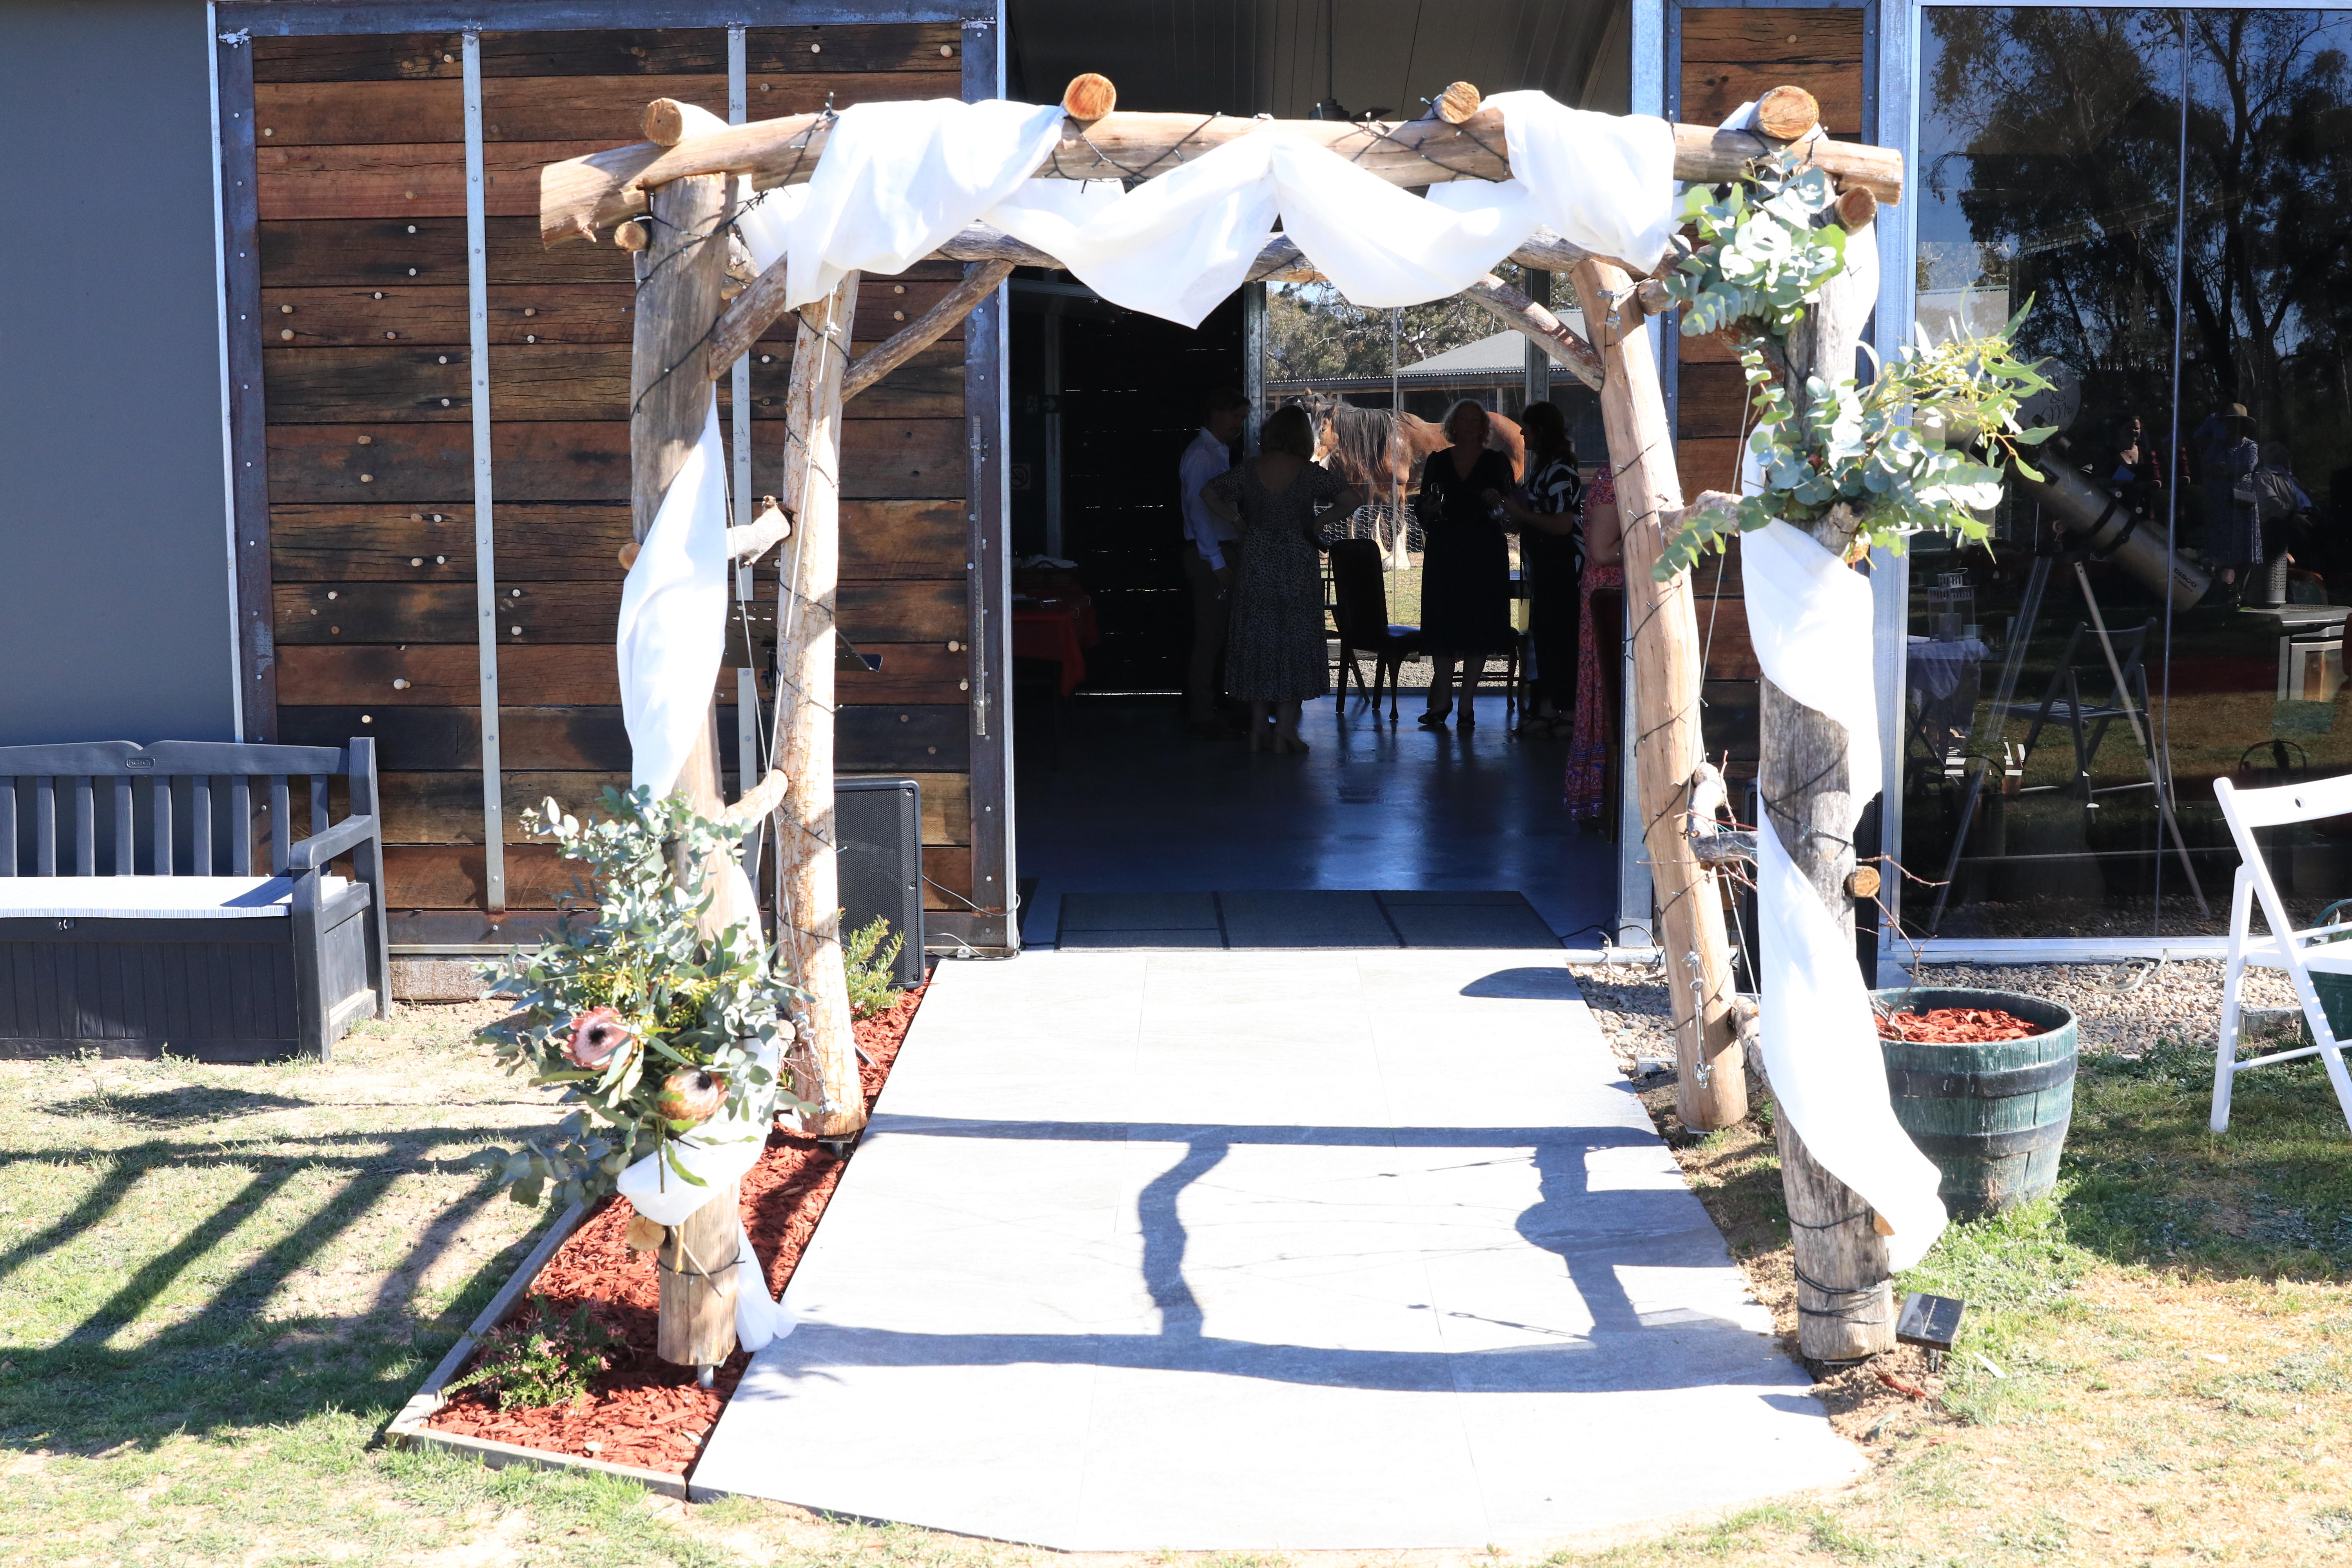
[[632, 235], [1856, 207], [1786, 114], [665, 121], [643, 1235], [1088, 98], [1862, 882], [1459, 102], [629, 554]]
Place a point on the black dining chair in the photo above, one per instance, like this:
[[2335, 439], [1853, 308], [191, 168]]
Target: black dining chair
[[1360, 606]]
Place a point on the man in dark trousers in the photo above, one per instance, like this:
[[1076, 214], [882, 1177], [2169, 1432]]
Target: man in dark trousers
[[1210, 548]]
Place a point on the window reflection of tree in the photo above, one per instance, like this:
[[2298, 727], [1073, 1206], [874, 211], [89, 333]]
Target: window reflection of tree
[[2060, 133], [2269, 281], [2068, 124]]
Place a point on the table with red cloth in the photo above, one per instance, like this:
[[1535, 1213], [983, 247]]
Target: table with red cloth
[[1056, 627]]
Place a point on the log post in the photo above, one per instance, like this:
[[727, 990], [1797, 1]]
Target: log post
[[808, 906], [1844, 1300], [1663, 727], [679, 274], [696, 1268]]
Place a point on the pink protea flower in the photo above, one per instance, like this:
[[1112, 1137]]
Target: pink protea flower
[[690, 1098], [596, 1036]]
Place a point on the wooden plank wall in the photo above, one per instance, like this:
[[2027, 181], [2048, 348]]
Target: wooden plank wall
[[1730, 56], [361, 166]]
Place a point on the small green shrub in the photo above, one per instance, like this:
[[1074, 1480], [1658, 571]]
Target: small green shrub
[[868, 959], [534, 1360]]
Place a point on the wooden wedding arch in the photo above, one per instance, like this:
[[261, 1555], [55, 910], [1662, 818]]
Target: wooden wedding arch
[[694, 320]]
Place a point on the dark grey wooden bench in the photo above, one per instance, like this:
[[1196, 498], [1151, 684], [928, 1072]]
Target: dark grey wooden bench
[[133, 922]]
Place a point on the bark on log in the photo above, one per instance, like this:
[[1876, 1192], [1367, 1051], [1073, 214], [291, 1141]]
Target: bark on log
[[677, 299], [1538, 326], [1663, 727], [580, 195], [697, 1282], [979, 283], [808, 911]]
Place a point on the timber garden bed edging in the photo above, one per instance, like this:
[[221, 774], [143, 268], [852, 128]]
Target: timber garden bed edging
[[881, 1034], [410, 1428]]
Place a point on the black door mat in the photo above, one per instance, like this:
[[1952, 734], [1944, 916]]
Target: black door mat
[[1302, 918]]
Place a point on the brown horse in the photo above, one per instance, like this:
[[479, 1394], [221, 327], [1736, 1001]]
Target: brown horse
[[1383, 451]]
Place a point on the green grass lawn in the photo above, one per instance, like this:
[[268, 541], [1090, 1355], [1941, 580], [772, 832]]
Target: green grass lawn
[[217, 1285], [2156, 1365]]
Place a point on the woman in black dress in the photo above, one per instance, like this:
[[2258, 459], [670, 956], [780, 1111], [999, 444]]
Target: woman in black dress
[[1275, 654], [1465, 576], [1551, 556]]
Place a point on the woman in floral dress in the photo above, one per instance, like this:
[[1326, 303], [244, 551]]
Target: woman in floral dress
[[1596, 668], [1275, 654]]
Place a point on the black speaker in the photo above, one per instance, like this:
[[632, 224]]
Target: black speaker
[[878, 842]]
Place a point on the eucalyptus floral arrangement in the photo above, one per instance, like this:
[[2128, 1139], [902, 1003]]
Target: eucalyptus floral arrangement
[[652, 1028], [1922, 448]]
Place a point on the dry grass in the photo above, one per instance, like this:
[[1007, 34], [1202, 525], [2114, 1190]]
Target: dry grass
[[216, 1285]]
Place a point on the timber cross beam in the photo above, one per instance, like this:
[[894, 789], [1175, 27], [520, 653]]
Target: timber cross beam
[[578, 196]]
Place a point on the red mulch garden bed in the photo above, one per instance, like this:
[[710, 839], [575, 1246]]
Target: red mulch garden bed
[[1956, 1027], [642, 1411]]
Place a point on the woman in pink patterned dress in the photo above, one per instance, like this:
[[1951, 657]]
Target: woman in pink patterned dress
[[1597, 657]]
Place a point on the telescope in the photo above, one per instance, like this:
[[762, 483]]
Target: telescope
[[2092, 514], [2106, 527]]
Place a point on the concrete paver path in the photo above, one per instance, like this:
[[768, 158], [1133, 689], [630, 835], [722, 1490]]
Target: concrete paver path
[[1295, 1250]]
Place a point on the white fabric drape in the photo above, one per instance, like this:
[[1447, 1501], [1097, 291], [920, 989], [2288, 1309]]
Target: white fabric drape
[[1606, 182], [1179, 244], [1810, 618], [673, 624], [719, 1151], [897, 179]]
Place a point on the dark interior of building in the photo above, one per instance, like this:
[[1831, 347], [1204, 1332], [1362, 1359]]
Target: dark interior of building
[[1131, 831]]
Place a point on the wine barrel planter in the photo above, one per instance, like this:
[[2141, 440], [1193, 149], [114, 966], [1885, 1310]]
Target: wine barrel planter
[[1991, 1116]]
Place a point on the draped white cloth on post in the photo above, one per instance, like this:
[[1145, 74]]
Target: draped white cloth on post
[[719, 1151], [673, 624], [1810, 618]]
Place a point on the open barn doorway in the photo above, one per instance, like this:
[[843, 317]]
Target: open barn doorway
[[1123, 818], [1139, 825]]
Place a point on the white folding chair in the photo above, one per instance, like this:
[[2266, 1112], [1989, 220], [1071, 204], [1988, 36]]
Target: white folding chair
[[2299, 952]]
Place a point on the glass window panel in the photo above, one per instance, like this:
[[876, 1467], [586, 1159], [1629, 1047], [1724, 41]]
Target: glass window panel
[[2049, 155], [2256, 675]]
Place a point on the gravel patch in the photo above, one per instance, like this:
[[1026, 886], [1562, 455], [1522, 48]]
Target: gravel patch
[[2121, 1009], [1631, 1003]]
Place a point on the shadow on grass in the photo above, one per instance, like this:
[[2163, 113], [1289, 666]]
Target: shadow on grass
[[175, 1107], [223, 1365]]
